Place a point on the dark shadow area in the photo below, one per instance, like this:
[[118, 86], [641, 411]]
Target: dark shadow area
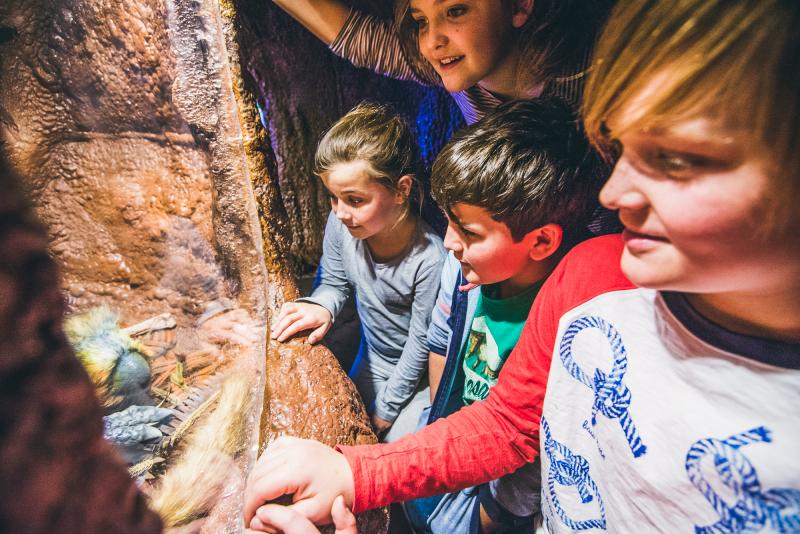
[[302, 88]]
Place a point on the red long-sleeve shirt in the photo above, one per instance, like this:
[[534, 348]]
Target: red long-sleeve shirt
[[492, 438]]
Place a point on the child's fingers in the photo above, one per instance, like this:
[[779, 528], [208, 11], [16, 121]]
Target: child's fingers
[[304, 323], [317, 509], [319, 333], [286, 309], [267, 485], [285, 519], [285, 323], [343, 518], [257, 526]]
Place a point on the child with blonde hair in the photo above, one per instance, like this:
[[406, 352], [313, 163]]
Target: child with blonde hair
[[658, 375], [378, 247]]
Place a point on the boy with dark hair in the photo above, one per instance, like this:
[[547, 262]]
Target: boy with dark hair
[[518, 188]]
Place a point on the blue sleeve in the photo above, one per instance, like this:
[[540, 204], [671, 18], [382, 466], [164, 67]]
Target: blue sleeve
[[334, 288], [413, 362], [439, 331]]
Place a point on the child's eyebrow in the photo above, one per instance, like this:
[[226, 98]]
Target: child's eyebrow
[[458, 222], [436, 3], [716, 140]]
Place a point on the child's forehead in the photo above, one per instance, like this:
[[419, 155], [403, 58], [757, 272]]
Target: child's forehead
[[472, 217], [699, 120], [351, 174], [464, 213]]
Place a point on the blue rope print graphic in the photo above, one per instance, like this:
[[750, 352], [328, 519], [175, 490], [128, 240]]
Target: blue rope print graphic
[[776, 509], [611, 396], [569, 469]]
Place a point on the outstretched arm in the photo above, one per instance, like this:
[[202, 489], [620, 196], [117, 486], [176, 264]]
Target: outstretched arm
[[323, 18], [479, 443], [362, 39]]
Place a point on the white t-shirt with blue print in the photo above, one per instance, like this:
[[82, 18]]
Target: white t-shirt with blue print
[[656, 420]]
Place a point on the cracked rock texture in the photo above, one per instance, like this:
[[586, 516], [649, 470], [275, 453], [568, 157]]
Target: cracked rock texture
[[57, 473], [136, 129]]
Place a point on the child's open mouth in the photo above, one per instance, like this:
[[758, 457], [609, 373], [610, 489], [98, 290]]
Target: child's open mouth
[[449, 62]]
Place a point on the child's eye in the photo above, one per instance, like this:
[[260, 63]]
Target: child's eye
[[675, 163], [355, 201], [456, 11], [421, 23]]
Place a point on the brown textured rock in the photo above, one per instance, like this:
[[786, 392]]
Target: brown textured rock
[[136, 128], [57, 473]]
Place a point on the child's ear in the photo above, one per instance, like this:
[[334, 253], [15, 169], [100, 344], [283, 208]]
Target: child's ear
[[404, 184], [545, 241], [521, 12]]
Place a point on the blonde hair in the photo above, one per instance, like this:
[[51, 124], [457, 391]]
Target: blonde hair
[[376, 135], [736, 61]]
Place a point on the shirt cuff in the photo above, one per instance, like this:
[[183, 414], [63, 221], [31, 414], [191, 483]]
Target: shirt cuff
[[351, 453], [385, 412]]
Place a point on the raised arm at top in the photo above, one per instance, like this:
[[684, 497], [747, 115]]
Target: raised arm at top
[[323, 18]]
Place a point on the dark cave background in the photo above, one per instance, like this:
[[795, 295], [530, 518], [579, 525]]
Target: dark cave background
[[302, 88]]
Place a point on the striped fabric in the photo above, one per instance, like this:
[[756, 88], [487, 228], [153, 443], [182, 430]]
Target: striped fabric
[[369, 42]]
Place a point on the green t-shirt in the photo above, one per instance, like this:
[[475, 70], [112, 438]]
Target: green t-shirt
[[495, 329]]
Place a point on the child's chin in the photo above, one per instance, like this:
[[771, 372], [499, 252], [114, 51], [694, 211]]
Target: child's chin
[[644, 272], [455, 84], [470, 275]]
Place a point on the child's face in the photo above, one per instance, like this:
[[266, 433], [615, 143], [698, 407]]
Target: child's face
[[696, 201], [465, 41], [485, 248], [364, 206]]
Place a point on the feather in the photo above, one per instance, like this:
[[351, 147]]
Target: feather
[[193, 485]]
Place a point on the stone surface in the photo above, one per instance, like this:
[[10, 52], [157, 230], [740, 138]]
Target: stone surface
[[57, 473], [136, 128]]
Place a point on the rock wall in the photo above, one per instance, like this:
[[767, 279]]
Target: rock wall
[[57, 472], [302, 89], [136, 128]]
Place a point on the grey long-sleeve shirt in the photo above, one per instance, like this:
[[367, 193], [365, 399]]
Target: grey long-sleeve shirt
[[394, 303]]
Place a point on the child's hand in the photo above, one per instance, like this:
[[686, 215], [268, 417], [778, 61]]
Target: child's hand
[[295, 317], [312, 473], [381, 425], [273, 516]]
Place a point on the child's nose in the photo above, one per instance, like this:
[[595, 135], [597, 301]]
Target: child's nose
[[435, 37], [621, 191], [451, 240], [341, 211]]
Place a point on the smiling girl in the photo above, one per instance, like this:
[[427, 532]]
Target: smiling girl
[[377, 246], [484, 52]]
